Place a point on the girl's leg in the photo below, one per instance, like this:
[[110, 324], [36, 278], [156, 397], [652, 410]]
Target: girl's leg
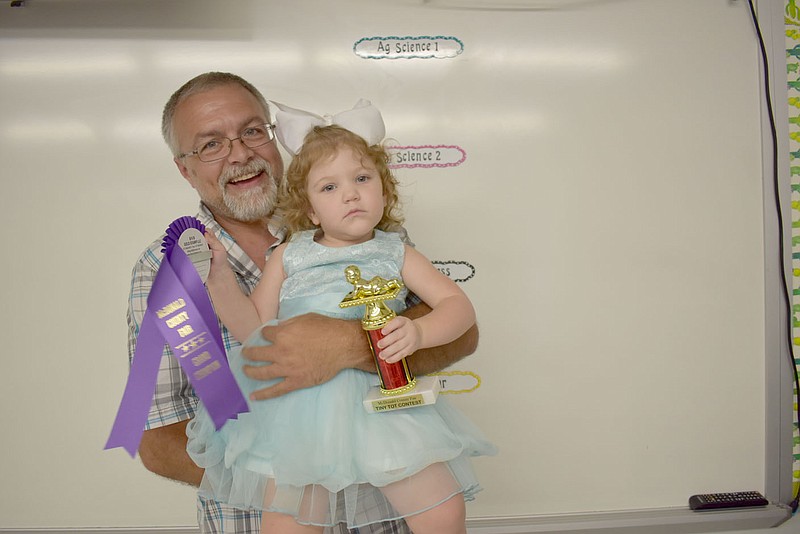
[[275, 523], [448, 518], [432, 484], [312, 507]]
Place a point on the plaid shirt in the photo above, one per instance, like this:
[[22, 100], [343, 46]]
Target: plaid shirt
[[174, 398]]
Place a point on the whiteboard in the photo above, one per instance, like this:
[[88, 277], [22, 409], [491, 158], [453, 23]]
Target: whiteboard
[[611, 201]]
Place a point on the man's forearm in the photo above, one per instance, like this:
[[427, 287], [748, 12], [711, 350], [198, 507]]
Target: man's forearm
[[360, 354], [308, 350], [434, 359], [163, 451], [422, 362]]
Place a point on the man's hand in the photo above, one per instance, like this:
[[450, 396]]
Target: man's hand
[[306, 351]]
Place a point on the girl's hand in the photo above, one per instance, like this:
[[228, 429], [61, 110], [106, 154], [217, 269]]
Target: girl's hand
[[401, 338], [219, 258]]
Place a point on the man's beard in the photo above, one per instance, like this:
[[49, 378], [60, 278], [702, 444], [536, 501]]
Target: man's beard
[[251, 205]]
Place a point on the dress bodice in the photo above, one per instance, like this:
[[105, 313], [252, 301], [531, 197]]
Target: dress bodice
[[315, 279]]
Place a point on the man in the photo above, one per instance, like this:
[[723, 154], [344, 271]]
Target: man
[[219, 130]]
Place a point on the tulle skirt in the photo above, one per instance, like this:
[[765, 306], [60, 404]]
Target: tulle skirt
[[316, 454]]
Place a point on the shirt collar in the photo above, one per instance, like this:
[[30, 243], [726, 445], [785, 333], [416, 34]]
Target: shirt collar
[[240, 261]]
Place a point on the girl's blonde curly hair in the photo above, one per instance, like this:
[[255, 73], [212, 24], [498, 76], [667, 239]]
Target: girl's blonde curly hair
[[323, 142]]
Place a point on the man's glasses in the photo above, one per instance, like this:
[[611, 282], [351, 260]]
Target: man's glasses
[[219, 147]]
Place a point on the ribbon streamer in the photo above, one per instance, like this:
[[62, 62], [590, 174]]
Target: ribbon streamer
[[180, 314], [294, 124]]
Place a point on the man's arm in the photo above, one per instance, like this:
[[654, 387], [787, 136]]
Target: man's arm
[[430, 360], [311, 349], [163, 451]]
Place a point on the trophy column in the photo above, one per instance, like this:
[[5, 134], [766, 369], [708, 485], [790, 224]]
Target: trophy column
[[395, 377]]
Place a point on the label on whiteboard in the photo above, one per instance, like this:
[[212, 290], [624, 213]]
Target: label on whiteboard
[[457, 271], [457, 382], [423, 47], [425, 156]]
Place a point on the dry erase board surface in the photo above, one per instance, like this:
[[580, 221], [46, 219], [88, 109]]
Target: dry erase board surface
[[601, 175]]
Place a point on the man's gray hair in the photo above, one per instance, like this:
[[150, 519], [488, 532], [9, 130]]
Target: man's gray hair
[[198, 84]]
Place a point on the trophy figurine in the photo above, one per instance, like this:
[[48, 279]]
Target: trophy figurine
[[399, 388]]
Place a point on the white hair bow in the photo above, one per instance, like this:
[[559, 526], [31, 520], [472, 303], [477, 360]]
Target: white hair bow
[[293, 124]]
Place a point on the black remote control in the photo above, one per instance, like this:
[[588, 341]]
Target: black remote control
[[715, 501]]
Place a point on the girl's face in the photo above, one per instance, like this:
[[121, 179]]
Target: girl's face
[[346, 197]]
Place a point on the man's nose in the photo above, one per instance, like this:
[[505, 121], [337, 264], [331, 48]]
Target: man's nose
[[239, 151]]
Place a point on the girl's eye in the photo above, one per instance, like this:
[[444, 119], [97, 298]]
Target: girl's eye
[[329, 187], [362, 178]]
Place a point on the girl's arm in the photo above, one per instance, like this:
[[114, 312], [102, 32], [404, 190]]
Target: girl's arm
[[240, 314], [451, 316], [266, 296]]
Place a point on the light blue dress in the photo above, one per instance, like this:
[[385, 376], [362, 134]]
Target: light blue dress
[[316, 453]]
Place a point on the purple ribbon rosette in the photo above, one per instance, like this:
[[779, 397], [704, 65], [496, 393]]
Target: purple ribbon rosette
[[179, 313]]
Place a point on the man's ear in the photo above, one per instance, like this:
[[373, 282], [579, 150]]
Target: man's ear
[[184, 170]]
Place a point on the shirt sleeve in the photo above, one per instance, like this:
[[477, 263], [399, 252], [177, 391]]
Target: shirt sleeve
[[174, 399]]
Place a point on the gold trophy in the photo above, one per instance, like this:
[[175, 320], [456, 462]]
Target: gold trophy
[[399, 388]]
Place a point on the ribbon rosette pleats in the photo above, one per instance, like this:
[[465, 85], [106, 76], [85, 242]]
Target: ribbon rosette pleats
[[179, 313]]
